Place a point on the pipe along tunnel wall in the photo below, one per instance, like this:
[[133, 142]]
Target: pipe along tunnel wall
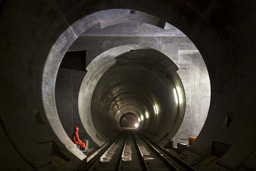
[[36, 35]]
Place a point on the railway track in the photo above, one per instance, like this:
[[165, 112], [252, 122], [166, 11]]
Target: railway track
[[132, 151]]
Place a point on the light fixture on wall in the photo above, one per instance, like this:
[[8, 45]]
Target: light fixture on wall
[[179, 95], [146, 114], [175, 96], [156, 109], [142, 117]]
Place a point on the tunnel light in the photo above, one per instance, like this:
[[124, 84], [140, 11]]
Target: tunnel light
[[175, 96], [142, 117], [156, 109], [147, 115], [139, 119], [136, 125], [179, 95]]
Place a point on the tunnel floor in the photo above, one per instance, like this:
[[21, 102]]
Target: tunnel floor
[[132, 151]]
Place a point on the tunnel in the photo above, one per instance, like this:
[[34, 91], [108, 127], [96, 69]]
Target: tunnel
[[129, 121], [143, 82], [42, 80]]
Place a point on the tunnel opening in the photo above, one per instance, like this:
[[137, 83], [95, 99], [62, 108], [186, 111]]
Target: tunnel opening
[[187, 63], [129, 121], [139, 81], [155, 112]]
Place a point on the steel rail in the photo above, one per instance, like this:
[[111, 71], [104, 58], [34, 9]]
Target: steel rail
[[160, 155], [168, 154], [99, 153], [98, 160], [123, 150], [141, 154]]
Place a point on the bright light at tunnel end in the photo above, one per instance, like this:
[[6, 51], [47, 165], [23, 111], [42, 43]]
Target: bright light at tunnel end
[[136, 125]]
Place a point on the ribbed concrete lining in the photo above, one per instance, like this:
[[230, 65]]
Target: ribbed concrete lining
[[136, 81], [105, 18], [108, 58]]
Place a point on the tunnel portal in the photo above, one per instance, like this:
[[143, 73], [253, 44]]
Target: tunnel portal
[[129, 121], [144, 82], [142, 78]]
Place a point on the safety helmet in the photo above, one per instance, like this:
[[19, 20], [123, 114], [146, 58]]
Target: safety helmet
[[76, 128]]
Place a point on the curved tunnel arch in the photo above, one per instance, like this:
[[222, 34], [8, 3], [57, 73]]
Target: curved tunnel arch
[[56, 54], [104, 18], [123, 99], [231, 74]]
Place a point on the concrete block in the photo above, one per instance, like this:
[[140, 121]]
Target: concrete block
[[181, 147]]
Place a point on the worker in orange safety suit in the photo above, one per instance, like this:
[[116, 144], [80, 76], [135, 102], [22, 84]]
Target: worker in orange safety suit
[[76, 140]]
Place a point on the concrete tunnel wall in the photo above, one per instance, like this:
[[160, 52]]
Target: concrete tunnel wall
[[223, 31], [138, 81], [168, 40], [174, 44]]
